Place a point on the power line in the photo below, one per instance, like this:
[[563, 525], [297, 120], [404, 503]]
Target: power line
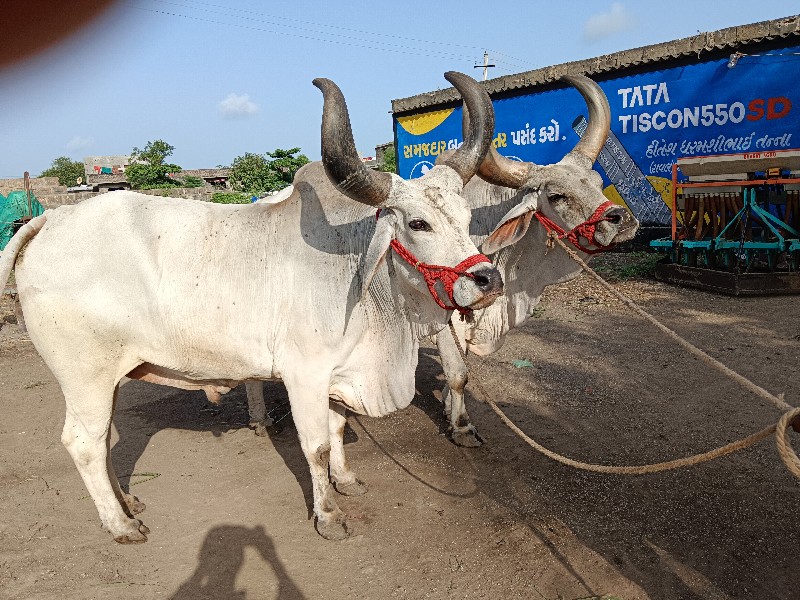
[[521, 63], [228, 9], [516, 68], [358, 42], [392, 49], [506, 70]]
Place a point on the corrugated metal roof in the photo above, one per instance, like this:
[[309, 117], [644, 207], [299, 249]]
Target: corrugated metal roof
[[732, 37]]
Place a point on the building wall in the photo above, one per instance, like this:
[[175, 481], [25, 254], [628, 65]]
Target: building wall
[[660, 112], [94, 165]]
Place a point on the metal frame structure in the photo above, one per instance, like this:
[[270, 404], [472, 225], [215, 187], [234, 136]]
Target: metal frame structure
[[721, 261]]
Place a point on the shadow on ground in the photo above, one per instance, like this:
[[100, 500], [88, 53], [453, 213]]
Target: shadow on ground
[[221, 558]]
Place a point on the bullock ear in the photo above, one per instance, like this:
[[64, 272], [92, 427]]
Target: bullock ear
[[513, 225], [385, 231]]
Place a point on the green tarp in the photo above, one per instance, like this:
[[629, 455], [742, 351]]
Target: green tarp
[[12, 209]]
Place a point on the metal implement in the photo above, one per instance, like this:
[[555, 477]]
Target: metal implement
[[735, 224]]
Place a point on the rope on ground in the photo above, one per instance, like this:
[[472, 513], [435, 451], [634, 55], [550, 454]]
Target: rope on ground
[[148, 476], [786, 452]]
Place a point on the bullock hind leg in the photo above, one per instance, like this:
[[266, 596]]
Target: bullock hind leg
[[309, 403], [259, 421], [344, 480], [462, 431], [20, 316], [129, 501], [85, 436]]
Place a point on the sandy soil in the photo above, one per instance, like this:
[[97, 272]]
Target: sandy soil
[[229, 512]]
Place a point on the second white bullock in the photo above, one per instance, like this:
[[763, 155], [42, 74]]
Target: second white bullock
[[514, 206]]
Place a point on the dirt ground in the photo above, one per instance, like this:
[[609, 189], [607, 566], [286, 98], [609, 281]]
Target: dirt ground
[[229, 512]]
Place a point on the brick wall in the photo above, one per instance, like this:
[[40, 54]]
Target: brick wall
[[51, 195], [39, 186]]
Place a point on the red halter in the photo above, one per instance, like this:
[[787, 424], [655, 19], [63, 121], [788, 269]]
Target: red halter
[[437, 273], [586, 229]]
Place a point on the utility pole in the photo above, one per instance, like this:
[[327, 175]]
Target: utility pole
[[27, 183], [485, 65]]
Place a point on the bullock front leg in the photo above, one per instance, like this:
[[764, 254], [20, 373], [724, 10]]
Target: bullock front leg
[[85, 436], [462, 431], [344, 480], [259, 421], [309, 403]]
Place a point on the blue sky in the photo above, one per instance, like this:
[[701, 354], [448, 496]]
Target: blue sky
[[219, 78]]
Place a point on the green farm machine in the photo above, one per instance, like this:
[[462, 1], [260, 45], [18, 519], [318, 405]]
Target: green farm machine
[[735, 224]]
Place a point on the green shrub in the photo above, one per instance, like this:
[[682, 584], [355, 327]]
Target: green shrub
[[258, 174], [190, 181], [151, 177], [67, 170], [230, 198], [389, 164], [148, 169]]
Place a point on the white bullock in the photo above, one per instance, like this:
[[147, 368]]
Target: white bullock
[[504, 199], [200, 295]]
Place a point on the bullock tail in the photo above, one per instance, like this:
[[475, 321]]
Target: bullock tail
[[17, 243]]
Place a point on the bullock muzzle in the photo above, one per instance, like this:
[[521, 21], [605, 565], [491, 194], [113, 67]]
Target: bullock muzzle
[[618, 225], [601, 231], [489, 284]]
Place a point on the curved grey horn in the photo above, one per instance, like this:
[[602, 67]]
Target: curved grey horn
[[599, 125], [479, 130], [339, 155], [498, 169]]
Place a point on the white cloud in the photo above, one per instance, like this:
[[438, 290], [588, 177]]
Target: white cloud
[[235, 106], [77, 142], [603, 25]]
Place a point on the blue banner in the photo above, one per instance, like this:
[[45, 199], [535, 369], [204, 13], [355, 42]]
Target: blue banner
[[725, 106]]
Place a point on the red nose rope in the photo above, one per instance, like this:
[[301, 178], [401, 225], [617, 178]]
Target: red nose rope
[[586, 229], [437, 273]]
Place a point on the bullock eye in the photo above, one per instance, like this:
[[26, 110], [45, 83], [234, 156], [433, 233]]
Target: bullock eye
[[419, 225], [557, 198]]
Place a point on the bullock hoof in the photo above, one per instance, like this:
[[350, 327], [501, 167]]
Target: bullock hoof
[[135, 506], [259, 428], [467, 439], [136, 535], [265, 428], [354, 488], [333, 529]]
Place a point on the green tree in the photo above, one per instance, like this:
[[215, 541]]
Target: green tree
[[258, 174], [230, 198], [190, 181], [389, 164], [284, 164], [67, 171], [250, 174], [148, 169]]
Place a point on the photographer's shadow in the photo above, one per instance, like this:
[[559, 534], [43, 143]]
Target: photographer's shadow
[[221, 558]]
